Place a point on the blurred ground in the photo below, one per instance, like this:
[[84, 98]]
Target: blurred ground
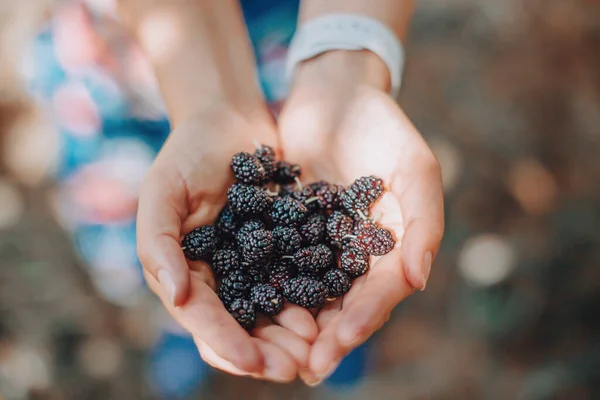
[[508, 94]]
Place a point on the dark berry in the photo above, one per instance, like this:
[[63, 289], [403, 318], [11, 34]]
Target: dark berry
[[286, 172], [236, 284], [248, 227], [329, 196], [305, 292], [257, 275], [362, 224], [200, 243], [337, 282], [225, 261], [247, 200], [305, 196], [354, 262], [374, 241], [362, 193], [339, 225], [243, 312], [287, 211], [281, 271], [227, 224], [313, 229], [287, 240], [227, 245], [257, 246], [315, 186], [314, 259], [266, 156], [266, 299], [248, 169]]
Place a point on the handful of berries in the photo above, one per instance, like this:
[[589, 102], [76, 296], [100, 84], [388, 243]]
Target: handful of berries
[[278, 240]]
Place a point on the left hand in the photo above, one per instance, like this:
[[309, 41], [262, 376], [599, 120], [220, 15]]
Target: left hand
[[339, 124]]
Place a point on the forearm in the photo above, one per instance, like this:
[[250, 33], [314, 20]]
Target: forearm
[[396, 14], [200, 52]]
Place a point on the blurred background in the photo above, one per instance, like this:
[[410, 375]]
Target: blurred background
[[506, 92]]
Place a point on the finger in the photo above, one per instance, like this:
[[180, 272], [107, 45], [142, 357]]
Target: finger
[[369, 309], [160, 213], [385, 287], [298, 320], [285, 339], [327, 313], [422, 204], [205, 317], [279, 366]]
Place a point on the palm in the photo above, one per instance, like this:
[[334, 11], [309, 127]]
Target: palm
[[185, 189], [369, 136]]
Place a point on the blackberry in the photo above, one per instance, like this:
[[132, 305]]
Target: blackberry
[[315, 186], [362, 193], [248, 169], [362, 224], [235, 285], [281, 271], [337, 282], [243, 312], [257, 275], [329, 196], [313, 229], [309, 274], [227, 245], [305, 196], [313, 259], [200, 243], [248, 227], [305, 292], [266, 156], [287, 211], [354, 262], [374, 241], [266, 299], [225, 261], [286, 172], [247, 200], [257, 246], [287, 240], [227, 224], [339, 225]]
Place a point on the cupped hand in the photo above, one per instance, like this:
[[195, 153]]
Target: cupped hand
[[339, 127], [186, 188]]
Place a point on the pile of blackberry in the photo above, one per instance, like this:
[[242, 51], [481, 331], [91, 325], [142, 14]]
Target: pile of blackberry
[[278, 240]]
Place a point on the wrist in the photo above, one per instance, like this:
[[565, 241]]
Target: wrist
[[341, 72]]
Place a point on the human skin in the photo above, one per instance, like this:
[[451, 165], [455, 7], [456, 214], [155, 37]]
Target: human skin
[[340, 123], [203, 61]]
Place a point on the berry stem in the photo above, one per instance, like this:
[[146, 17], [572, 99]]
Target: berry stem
[[349, 236], [298, 183], [184, 248], [255, 143], [311, 200], [270, 193], [362, 215], [288, 257]]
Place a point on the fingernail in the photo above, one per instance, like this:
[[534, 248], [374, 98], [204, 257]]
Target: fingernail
[[168, 284], [425, 270], [308, 377], [321, 378]]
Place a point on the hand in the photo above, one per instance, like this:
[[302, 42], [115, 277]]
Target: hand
[[186, 188], [340, 124]]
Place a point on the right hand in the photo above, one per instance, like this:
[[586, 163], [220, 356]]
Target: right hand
[[186, 188]]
